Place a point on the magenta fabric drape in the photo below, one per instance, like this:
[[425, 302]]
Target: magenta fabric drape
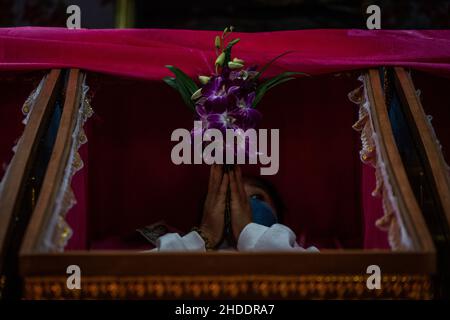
[[144, 53]]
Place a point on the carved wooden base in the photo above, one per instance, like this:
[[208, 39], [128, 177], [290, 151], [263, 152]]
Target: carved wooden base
[[240, 286]]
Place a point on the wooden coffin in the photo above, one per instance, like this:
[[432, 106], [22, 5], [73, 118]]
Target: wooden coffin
[[411, 268]]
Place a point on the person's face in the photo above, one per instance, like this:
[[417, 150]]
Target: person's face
[[253, 191]]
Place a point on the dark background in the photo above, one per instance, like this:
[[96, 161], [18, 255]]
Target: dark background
[[250, 15]]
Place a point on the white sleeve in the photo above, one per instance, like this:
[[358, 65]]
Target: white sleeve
[[256, 237], [174, 242]]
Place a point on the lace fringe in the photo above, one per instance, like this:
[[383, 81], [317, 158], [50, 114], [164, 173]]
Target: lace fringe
[[59, 231], [391, 221]]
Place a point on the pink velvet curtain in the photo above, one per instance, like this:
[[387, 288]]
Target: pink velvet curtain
[[144, 53]]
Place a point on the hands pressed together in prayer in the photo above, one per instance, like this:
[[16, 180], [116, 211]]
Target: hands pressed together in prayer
[[238, 212], [213, 221]]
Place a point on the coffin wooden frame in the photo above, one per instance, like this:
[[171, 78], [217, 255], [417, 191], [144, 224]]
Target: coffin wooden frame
[[15, 179], [423, 132], [329, 274], [24, 155]]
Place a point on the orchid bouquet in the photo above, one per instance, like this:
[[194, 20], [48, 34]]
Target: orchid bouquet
[[228, 98]]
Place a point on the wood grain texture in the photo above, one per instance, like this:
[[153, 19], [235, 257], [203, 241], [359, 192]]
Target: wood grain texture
[[58, 160], [132, 263], [20, 166], [410, 212], [425, 137]]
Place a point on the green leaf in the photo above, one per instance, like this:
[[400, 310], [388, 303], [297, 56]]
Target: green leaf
[[186, 96], [171, 82], [280, 82], [183, 84], [268, 64], [273, 82], [280, 76], [177, 85], [181, 76]]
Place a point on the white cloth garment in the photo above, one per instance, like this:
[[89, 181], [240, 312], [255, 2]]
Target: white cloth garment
[[254, 237]]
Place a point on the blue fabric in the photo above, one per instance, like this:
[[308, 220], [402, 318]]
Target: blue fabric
[[262, 213]]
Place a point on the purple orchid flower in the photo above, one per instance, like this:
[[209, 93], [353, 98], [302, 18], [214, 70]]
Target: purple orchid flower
[[227, 99], [217, 96], [218, 120], [249, 116]]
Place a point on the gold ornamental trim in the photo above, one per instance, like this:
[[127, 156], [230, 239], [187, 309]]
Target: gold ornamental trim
[[319, 286]]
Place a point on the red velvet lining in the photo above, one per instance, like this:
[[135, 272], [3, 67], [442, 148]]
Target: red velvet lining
[[436, 102], [14, 90], [129, 180]]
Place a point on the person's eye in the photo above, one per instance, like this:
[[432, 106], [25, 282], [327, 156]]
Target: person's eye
[[256, 196]]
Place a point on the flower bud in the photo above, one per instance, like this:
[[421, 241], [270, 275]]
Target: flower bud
[[238, 61], [217, 42], [204, 79], [197, 94], [234, 65], [220, 59], [233, 42]]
